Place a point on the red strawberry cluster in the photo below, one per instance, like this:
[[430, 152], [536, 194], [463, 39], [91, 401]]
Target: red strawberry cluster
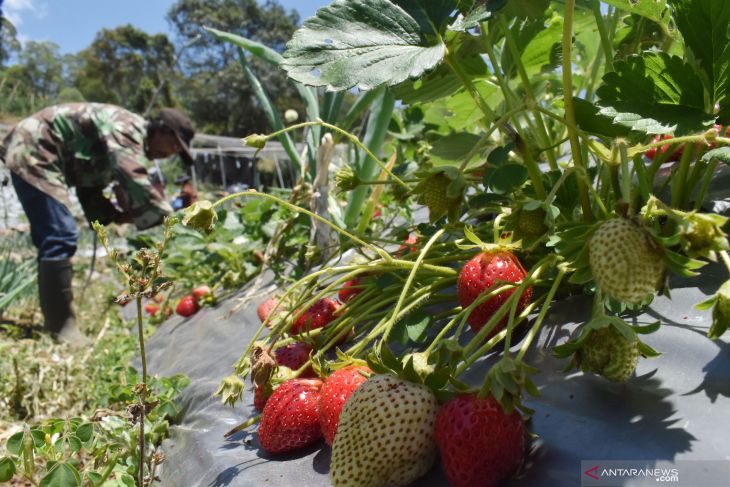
[[677, 153], [190, 304], [300, 411]]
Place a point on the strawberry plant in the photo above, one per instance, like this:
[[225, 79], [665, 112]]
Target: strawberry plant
[[533, 147]]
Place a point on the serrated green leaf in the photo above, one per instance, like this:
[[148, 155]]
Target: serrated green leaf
[[442, 82], [507, 178], [62, 475], [453, 149], [537, 41], [7, 469], [658, 119], [705, 27], [654, 93], [653, 77], [722, 154], [482, 11], [655, 10], [366, 43], [589, 119]]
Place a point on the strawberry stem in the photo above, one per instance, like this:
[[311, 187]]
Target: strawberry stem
[[543, 312], [409, 281]]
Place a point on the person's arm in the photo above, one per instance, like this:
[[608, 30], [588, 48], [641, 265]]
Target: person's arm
[[139, 199], [97, 207]]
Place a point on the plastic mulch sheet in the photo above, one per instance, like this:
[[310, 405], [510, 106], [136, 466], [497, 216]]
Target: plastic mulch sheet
[[675, 408]]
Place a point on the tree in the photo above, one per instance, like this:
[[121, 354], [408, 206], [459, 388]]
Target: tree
[[43, 66], [124, 66], [215, 91], [9, 43]]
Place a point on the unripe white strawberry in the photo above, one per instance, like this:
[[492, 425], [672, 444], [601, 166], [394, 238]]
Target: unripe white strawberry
[[624, 264], [386, 434]]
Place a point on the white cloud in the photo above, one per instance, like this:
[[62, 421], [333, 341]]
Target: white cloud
[[14, 10]]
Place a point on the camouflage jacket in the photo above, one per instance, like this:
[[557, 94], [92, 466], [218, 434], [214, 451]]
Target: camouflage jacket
[[89, 146]]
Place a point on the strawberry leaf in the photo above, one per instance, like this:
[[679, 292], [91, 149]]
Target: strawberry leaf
[[479, 13], [655, 10], [507, 178], [366, 43], [589, 118], [721, 153], [705, 27], [654, 93]]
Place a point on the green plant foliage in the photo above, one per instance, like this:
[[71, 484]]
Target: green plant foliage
[[328, 51], [705, 28], [654, 93]]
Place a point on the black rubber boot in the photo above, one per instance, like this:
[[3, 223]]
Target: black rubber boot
[[56, 296]]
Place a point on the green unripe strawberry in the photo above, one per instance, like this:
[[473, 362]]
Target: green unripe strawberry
[[385, 436], [623, 261], [531, 223], [435, 197], [608, 353]]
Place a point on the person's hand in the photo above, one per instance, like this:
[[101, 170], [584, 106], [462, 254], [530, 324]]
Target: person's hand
[[124, 218], [121, 197]]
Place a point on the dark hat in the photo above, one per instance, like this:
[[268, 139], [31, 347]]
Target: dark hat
[[181, 125]]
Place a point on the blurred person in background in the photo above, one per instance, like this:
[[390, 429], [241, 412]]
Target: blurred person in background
[[88, 146], [187, 194]]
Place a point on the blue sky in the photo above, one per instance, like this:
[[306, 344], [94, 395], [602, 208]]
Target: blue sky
[[72, 24]]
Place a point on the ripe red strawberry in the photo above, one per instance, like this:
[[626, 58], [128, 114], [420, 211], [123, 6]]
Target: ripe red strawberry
[[674, 156], [291, 416], [335, 391], [187, 306], [260, 397], [152, 309], [294, 356], [624, 262], [482, 272], [385, 436], [480, 445], [350, 289], [265, 308], [318, 315], [409, 245], [201, 291]]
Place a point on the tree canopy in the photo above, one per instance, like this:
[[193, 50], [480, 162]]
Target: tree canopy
[[129, 67], [214, 89]]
